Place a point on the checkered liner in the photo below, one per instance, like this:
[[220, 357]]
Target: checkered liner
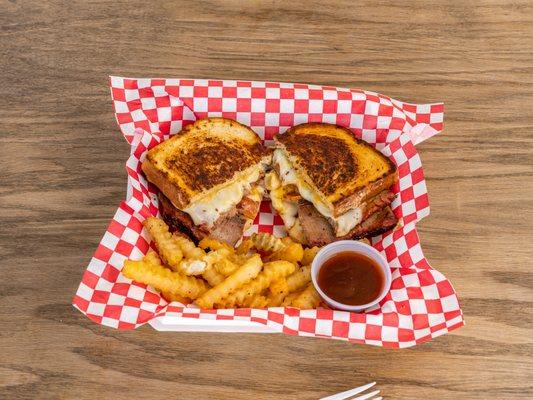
[[421, 304]]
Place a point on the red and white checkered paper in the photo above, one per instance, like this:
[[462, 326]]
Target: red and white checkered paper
[[422, 303]]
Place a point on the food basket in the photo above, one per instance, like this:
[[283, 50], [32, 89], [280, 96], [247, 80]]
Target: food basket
[[421, 304]]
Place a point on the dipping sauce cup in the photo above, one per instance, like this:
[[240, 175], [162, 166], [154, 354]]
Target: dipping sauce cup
[[350, 275]]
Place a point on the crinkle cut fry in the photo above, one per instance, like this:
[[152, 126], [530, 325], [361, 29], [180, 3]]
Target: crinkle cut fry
[[309, 255], [173, 248], [299, 279], [289, 298], [150, 271], [245, 246], [258, 301], [307, 299], [276, 300], [211, 273], [213, 244], [226, 267], [266, 242], [212, 276], [279, 286], [292, 252], [188, 248], [168, 248], [271, 271], [261, 241], [243, 275], [282, 288], [170, 297]]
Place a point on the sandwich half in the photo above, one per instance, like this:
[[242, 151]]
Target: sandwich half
[[209, 176], [328, 185]]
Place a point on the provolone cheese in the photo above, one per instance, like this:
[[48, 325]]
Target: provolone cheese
[[256, 193], [286, 209], [209, 208]]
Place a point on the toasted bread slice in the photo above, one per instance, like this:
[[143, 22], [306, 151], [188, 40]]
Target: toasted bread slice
[[338, 171], [203, 158]]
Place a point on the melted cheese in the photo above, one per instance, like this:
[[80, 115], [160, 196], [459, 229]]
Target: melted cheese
[[297, 232], [256, 193], [343, 224], [272, 180], [208, 209], [286, 209], [347, 221], [286, 171], [194, 267]]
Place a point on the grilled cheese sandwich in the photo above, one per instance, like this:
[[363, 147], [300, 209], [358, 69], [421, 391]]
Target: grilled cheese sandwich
[[343, 223], [206, 171], [335, 172]]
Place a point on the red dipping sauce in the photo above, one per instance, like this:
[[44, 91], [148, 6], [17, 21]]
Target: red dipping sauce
[[351, 278]]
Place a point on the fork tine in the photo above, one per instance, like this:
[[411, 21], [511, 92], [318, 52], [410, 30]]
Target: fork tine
[[366, 396], [349, 393]]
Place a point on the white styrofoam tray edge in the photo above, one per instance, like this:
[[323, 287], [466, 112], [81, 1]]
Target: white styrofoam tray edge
[[180, 324]]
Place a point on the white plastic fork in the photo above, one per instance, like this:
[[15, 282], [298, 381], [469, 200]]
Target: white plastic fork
[[347, 395]]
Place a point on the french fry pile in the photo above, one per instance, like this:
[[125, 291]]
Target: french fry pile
[[263, 271]]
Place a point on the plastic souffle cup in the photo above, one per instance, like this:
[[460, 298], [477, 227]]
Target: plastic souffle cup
[[354, 246]]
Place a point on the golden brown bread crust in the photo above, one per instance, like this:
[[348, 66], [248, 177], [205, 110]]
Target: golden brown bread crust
[[212, 163], [159, 178], [327, 160], [328, 155], [202, 156]]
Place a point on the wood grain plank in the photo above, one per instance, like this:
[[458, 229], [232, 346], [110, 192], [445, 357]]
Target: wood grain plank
[[63, 175]]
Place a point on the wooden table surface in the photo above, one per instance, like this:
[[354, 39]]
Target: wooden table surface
[[63, 176]]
